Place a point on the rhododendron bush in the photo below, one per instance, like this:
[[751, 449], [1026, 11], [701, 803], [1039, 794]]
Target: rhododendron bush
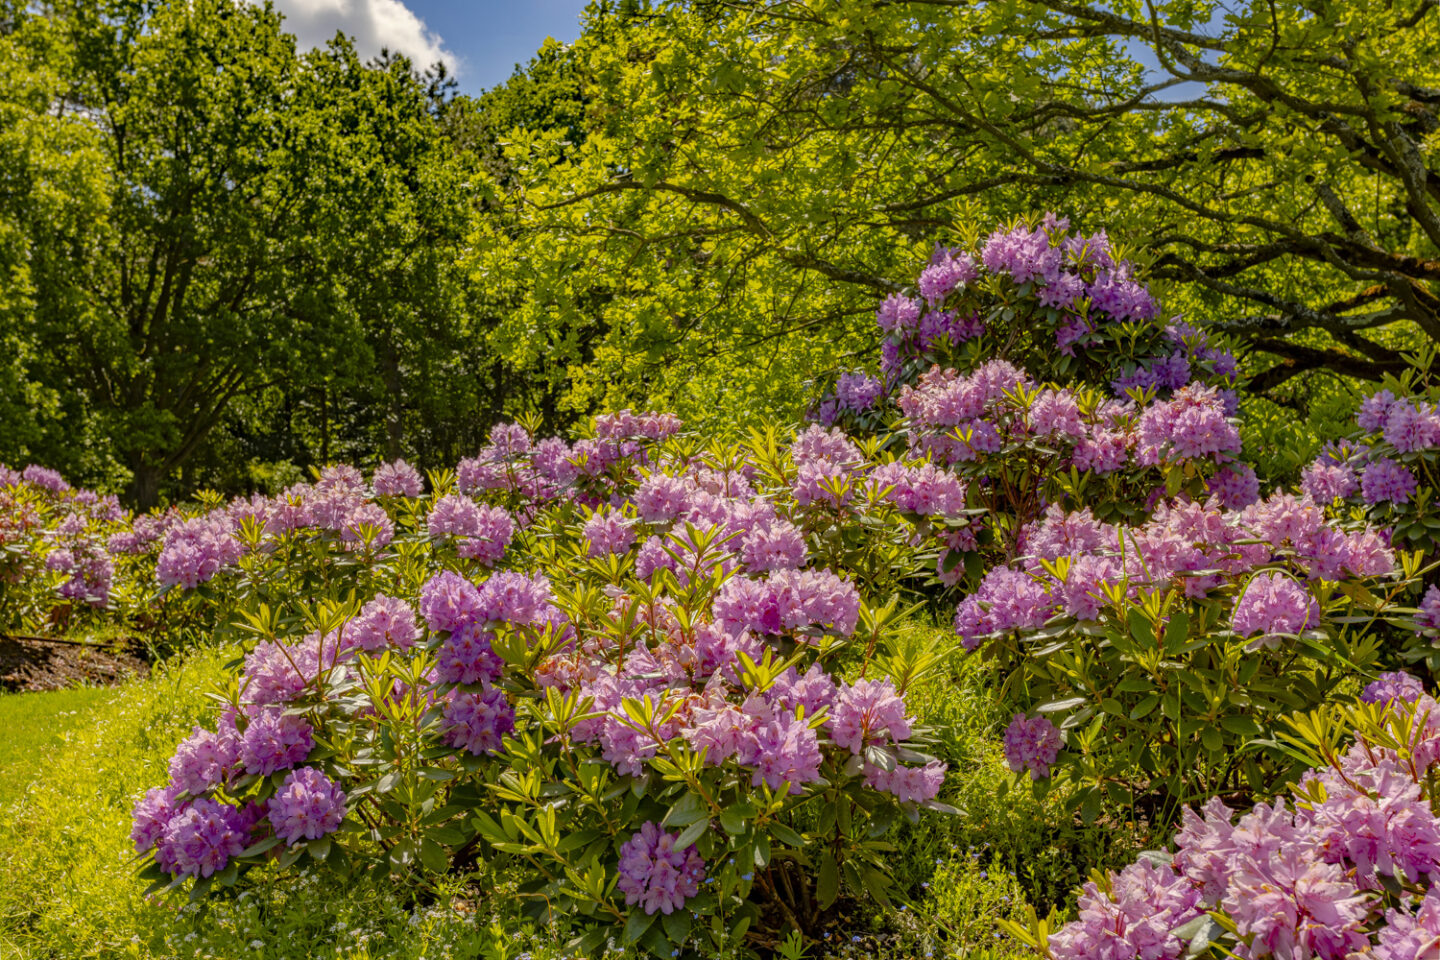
[[618, 662], [1345, 866], [1165, 652], [58, 550], [656, 673], [1387, 472], [1154, 615]]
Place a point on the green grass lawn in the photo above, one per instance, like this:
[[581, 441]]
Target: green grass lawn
[[36, 726]]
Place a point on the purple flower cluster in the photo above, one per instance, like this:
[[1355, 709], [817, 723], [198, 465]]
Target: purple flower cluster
[[1031, 743], [1274, 605], [1326, 481], [655, 874], [200, 838], [384, 622], [482, 532], [44, 478], [279, 672], [476, 722], [608, 532], [869, 711], [1384, 468], [1192, 424], [788, 600], [853, 393], [196, 550], [1297, 879], [307, 806], [84, 562], [204, 760], [1385, 481], [1133, 917], [924, 489], [1200, 546], [396, 479], [273, 740], [1395, 685]]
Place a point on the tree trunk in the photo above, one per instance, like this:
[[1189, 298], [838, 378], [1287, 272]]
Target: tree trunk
[[145, 485], [394, 424]]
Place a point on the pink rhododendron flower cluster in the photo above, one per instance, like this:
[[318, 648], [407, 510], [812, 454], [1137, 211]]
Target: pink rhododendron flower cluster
[[396, 479], [1300, 878], [608, 532], [788, 600], [657, 875], [1394, 685], [1273, 604], [482, 532], [307, 806], [1031, 745], [1202, 547]]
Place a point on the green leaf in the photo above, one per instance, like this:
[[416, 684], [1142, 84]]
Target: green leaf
[[677, 926], [433, 856], [732, 821], [260, 846], [786, 834], [687, 810], [635, 925], [690, 834], [827, 880]]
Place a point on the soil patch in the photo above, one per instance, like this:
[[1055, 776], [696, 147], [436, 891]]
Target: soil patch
[[35, 663]]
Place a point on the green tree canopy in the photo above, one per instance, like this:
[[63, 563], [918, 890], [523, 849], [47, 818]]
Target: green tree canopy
[[756, 174]]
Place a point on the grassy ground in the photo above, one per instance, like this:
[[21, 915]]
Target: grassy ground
[[38, 725], [73, 763]]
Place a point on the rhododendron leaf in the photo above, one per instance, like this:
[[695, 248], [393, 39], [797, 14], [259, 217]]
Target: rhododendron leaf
[[450, 836], [1212, 738], [692, 833], [677, 926], [163, 883], [576, 840], [1144, 707], [827, 880], [433, 856], [259, 847], [1391, 883], [687, 811], [1199, 934], [1056, 706], [733, 822], [635, 925], [786, 835], [1243, 726], [201, 888], [880, 757]]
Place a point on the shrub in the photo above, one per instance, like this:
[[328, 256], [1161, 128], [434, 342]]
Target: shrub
[[1168, 652], [1345, 865], [652, 715]]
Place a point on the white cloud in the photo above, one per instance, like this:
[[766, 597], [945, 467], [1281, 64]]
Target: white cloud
[[371, 23]]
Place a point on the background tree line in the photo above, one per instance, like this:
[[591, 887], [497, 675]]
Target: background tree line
[[225, 261]]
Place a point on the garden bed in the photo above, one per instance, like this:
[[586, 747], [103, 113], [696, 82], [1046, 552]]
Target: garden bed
[[29, 663]]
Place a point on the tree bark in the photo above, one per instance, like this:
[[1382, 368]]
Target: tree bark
[[145, 485], [394, 420]]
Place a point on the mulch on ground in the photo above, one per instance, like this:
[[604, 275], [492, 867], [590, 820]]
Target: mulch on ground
[[36, 663]]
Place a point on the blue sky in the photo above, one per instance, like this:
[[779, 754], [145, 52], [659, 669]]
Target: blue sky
[[482, 40]]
